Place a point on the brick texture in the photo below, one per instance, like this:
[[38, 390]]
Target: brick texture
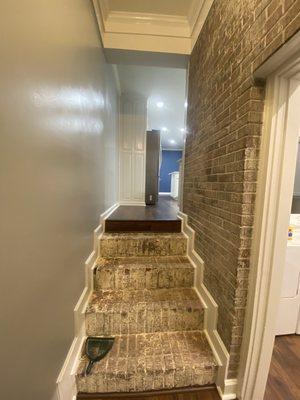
[[147, 302], [146, 362], [224, 120]]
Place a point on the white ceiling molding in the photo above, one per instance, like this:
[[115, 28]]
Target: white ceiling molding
[[104, 7], [147, 24], [197, 16], [140, 31]]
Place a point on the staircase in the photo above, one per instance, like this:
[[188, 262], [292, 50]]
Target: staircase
[[144, 297]]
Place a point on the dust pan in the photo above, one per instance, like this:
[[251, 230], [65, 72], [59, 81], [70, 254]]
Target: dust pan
[[96, 348]]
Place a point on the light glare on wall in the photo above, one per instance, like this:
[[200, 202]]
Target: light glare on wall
[[72, 98], [160, 104], [164, 129], [74, 124]]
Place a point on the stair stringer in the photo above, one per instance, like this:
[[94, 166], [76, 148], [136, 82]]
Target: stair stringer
[[226, 387], [65, 383]]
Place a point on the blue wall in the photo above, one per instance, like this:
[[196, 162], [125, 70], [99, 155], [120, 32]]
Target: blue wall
[[169, 164]]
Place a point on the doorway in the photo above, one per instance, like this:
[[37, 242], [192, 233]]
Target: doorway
[[273, 207]]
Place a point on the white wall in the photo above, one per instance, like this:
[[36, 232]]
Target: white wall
[[58, 157]]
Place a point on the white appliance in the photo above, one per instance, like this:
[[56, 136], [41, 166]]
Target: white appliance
[[288, 321], [174, 184]]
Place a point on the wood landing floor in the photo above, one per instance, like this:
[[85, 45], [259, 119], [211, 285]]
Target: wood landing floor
[[284, 376], [161, 217]]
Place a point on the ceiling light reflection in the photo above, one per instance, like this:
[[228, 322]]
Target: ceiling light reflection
[[72, 98], [76, 124]]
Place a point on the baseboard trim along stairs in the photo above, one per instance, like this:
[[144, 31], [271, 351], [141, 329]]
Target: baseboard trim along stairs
[[146, 290], [226, 387]]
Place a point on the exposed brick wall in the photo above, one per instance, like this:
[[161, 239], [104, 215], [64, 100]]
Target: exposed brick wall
[[225, 111]]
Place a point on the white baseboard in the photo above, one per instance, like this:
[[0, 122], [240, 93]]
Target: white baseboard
[[66, 387], [164, 193], [229, 391], [226, 387]]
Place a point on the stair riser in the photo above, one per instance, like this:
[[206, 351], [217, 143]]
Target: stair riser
[[142, 380], [139, 277], [134, 247], [132, 321]]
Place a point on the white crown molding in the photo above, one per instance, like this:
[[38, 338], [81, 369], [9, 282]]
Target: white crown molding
[[200, 13], [147, 24], [193, 13], [159, 33], [104, 7]]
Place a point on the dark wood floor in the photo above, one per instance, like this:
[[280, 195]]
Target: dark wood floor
[[165, 209], [161, 217], [206, 394], [284, 376]]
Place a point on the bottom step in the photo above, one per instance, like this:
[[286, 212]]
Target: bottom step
[[202, 393], [152, 361]]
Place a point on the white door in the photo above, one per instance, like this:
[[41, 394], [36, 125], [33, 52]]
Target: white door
[[289, 306]]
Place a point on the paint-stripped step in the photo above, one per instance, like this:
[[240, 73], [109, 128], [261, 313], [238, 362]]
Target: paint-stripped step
[[115, 312], [143, 273], [146, 362], [142, 244]]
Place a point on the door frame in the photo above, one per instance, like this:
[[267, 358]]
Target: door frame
[[274, 196]]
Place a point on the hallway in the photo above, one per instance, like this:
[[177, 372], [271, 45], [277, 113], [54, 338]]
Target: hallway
[[105, 104]]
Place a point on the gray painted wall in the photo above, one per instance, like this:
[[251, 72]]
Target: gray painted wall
[[58, 135]]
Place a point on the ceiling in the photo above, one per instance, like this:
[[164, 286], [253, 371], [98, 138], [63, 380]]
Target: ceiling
[[159, 85], [166, 7]]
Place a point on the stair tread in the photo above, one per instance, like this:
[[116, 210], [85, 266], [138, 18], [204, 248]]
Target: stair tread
[[110, 300], [151, 361]]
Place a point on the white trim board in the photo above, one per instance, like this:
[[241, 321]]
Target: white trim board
[[275, 189], [65, 384], [226, 387]]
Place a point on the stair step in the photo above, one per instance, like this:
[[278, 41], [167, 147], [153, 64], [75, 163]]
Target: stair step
[[115, 312], [143, 273], [142, 244], [153, 361]]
